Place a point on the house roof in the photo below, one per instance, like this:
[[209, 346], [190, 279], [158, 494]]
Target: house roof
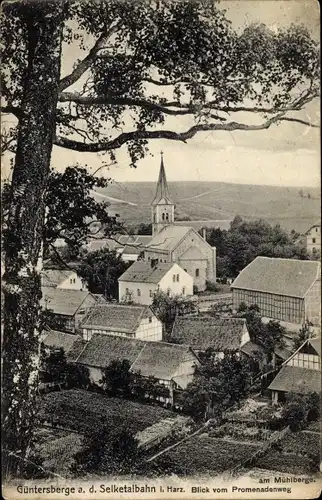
[[116, 317], [202, 332], [158, 359], [132, 250], [251, 349], [143, 272], [53, 277], [63, 301], [288, 277], [316, 224], [296, 379], [168, 238], [54, 338]]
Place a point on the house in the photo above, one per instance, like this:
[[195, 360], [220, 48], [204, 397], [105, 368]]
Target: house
[[143, 279], [61, 278], [60, 340], [287, 290], [172, 365], [176, 243], [132, 321], [300, 373], [68, 306], [129, 247], [312, 238], [203, 332]]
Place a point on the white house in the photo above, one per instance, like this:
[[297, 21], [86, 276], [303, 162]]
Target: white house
[[122, 320], [300, 373], [172, 365], [142, 280], [313, 238], [61, 278]]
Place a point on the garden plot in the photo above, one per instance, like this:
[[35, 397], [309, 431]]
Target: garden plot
[[84, 411]]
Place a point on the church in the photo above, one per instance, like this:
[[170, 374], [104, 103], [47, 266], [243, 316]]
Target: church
[[177, 243]]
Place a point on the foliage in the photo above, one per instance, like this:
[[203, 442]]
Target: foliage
[[167, 307], [303, 334], [218, 383], [245, 240], [117, 378], [211, 286], [55, 368], [299, 409], [144, 229], [100, 270], [268, 336]]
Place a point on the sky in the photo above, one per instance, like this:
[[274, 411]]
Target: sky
[[287, 154]]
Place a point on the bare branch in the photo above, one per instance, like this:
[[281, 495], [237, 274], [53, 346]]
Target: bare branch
[[84, 65], [170, 135]]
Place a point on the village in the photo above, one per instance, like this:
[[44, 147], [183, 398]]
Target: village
[[203, 377]]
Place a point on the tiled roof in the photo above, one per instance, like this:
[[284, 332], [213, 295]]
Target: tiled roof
[[58, 339], [288, 277], [251, 349], [63, 301], [116, 317], [132, 250], [201, 332], [296, 379], [316, 344], [143, 272], [157, 359], [168, 238], [76, 350], [53, 277]]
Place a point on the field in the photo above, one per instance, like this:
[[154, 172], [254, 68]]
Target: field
[[203, 455], [84, 411], [214, 202]]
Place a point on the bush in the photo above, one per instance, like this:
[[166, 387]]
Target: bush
[[211, 286], [195, 289]]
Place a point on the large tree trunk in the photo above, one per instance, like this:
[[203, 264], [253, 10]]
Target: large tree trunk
[[23, 234]]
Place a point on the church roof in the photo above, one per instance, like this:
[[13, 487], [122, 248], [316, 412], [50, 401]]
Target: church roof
[[168, 238], [162, 195], [288, 277], [143, 272]]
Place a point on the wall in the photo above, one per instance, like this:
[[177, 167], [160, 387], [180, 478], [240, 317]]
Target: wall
[[191, 266], [186, 370], [176, 287], [146, 292], [313, 304], [245, 336], [74, 282], [313, 234], [290, 309], [161, 255], [304, 360], [157, 211], [149, 329], [194, 239]]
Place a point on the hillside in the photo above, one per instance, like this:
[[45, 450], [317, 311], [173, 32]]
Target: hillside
[[213, 201]]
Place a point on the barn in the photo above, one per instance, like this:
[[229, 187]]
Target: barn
[[286, 290]]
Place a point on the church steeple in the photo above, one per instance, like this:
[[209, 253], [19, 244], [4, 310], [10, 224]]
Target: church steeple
[[162, 192], [162, 205]]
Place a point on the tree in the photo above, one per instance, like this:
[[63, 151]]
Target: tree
[[167, 307], [117, 378], [101, 270], [300, 409], [144, 228], [138, 50], [55, 367], [303, 334]]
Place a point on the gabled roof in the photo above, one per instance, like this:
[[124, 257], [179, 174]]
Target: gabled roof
[[297, 379], [143, 272], [202, 332], [168, 238], [192, 253], [53, 277], [316, 344], [54, 338], [116, 317], [289, 277], [162, 195], [316, 224], [158, 359], [63, 301]]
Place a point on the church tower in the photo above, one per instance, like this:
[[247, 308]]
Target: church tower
[[162, 205]]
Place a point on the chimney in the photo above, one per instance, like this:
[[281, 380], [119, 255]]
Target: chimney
[[204, 234]]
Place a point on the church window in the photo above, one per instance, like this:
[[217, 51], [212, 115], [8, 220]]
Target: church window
[[313, 240], [197, 273], [150, 320], [163, 216], [139, 292], [178, 277], [74, 280], [174, 278], [168, 292], [167, 216]]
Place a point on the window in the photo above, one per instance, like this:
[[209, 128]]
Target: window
[[126, 290], [316, 229], [167, 216], [313, 240], [185, 270], [150, 320], [178, 277], [70, 281], [154, 218], [151, 293], [162, 216], [184, 290], [168, 292], [197, 273], [138, 292], [174, 278], [74, 281]]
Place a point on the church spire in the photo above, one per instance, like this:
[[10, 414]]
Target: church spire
[[162, 192]]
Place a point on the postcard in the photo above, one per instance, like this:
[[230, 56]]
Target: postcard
[[161, 247]]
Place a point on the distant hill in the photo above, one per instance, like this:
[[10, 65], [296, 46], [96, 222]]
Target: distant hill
[[215, 201]]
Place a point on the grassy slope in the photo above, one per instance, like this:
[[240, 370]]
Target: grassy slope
[[212, 201]]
